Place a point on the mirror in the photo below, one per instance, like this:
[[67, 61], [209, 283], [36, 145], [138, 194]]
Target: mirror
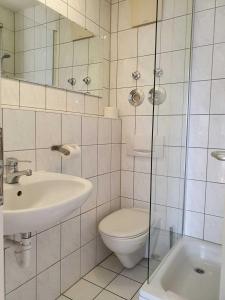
[[41, 46]]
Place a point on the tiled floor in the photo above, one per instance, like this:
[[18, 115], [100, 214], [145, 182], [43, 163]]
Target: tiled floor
[[110, 281]]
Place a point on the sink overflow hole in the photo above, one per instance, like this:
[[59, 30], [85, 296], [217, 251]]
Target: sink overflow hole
[[199, 271], [19, 193]]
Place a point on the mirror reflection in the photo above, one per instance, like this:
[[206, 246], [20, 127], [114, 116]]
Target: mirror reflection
[[39, 45]]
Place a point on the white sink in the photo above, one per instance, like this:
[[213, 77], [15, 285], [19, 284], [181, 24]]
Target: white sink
[[42, 199]]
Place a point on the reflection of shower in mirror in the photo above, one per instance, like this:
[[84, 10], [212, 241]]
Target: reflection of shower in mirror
[[4, 56]]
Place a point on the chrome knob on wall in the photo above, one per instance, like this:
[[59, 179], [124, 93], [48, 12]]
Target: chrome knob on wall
[[87, 80], [72, 81], [136, 97], [136, 75]]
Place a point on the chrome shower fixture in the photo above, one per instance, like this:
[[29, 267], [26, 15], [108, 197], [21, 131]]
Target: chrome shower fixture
[[5, 56], [158, 72], [72, 81], [157, 95], [136, 75], [136, 97], [87, 80]]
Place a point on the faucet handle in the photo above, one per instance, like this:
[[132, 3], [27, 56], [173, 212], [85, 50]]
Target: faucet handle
[[12, 162]]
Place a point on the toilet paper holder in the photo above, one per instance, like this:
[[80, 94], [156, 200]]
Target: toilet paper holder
[[61, 149]]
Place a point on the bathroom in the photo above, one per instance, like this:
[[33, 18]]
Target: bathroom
[[112, 146]]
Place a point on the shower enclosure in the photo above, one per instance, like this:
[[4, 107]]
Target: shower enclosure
[[170, 98]]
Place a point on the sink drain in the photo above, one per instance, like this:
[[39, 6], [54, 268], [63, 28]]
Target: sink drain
[[199, 271]]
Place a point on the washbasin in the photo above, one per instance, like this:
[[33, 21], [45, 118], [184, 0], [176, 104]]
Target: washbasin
[[41, 200]]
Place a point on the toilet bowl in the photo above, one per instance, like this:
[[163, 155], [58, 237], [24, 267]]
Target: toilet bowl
[[125, 232]]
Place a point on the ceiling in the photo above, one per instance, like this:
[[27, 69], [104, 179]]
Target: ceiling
[[16, 5]]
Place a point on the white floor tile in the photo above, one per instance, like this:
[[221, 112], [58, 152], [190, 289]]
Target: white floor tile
[[153, 264], [136, 297], [105, 295], [62, 298], [112, 263], [138, 273], [83, 290], [124, 287], [100, 276], [144, 262]]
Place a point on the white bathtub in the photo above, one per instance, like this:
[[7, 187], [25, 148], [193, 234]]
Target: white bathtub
[[179, 276]]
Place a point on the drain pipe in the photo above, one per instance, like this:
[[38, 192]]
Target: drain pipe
[[23, 249]]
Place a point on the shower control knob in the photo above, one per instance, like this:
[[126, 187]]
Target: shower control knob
[[72, 81], [158, 72], [136, 75], [87, 80]]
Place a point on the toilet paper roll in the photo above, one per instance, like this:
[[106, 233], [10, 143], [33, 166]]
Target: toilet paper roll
[[74, 150], [111, 112]]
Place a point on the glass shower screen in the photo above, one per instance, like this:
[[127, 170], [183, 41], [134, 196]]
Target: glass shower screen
[[169, 98]]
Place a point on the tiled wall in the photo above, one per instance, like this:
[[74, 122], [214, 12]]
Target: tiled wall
[[95, 16], [66, 251], [23, 95], [205, 189], [133, 49], [206, 176]]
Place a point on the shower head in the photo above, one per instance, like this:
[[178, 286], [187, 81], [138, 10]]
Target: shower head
[[6, 55]]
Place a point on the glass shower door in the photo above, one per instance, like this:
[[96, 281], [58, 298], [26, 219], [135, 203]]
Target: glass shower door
[[169, 98]]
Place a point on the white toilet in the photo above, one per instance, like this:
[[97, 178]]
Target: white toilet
[[125, 232]]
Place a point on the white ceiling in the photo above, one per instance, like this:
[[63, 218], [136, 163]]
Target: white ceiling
[[17, 4]]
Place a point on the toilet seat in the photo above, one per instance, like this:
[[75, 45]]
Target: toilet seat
[[125, 223]]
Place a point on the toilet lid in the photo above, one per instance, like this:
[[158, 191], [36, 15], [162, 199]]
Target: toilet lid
[[125, 223]]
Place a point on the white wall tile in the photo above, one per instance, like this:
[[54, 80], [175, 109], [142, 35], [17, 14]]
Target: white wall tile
[[202, 63], [89, 161], [125, 40], [71, 129], [200, 97], [197, 163], [50, 124], [19, 129], [204, 26], [88, 257], [55, 99], [104, 131], [199, 131], [127, 184], [195, 196], [9, 92], [218, 61], [26, 291], [48, 248], [194, 224], [89, 130], [104, 158], [48, 160], [217, 97], [103, 189], [213, 229], [70, 270], [70, 236], [48, 283], [215, 194], [32, 95], [88, 226]]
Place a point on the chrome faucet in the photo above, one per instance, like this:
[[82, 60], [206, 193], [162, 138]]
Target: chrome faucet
[[12, 173]]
